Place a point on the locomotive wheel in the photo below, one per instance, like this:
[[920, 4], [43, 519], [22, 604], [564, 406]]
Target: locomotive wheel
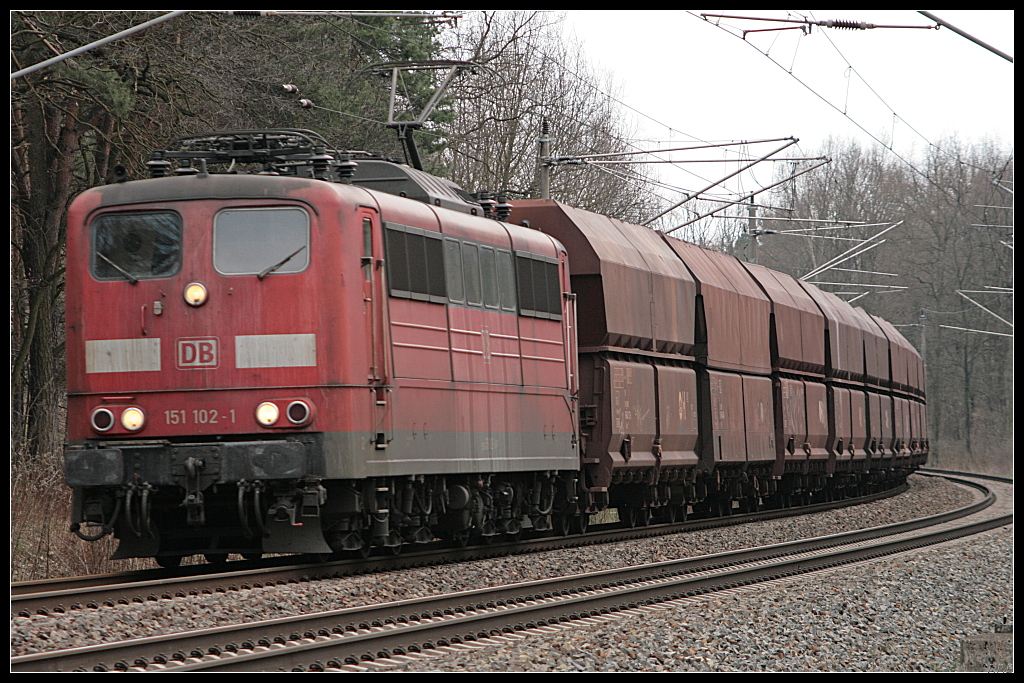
[[252, 556], [395, 543], [216, 558], [364, 550], [635, 517], [168, 561], [460, 539]]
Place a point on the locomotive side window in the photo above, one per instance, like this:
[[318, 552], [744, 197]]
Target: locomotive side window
[[415, 261], [136, 246], [398, 263], [540, 295], [480, 275], [471, 271], [367, 249], [489, 275], [434, 254], [261, 241], [453, 268], [506, 281]]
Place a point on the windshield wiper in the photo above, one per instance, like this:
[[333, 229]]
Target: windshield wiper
[[131, 278], [286, 259]]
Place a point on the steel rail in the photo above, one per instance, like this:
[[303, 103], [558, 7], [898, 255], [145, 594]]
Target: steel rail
[[366, 632], [61, 595], [365, 644]]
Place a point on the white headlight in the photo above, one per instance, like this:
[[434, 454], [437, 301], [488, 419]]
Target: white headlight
[[195, 294], [132, 419], [267, 414]]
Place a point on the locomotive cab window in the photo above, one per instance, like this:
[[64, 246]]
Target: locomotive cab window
[[136, 246], [261, 241]]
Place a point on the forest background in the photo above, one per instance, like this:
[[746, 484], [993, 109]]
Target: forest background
[[74, 121]]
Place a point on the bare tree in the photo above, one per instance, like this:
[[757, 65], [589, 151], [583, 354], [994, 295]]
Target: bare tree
[[72, 122], [955, 237], [532, 73]]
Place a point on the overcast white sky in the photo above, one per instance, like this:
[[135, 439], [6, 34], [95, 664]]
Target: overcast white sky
[[698, 80], [684, 78]]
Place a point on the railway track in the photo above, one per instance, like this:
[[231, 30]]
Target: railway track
[[83, 592], [344, 638]]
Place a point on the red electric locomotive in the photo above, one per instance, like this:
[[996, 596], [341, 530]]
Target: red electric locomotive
[[306, 353], [243, 377]]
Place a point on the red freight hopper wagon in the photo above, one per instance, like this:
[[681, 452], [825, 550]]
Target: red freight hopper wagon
[[797, 343]]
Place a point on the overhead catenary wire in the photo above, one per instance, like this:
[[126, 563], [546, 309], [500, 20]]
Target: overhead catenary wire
[[789, 143], [748, 196], [966, 35], [644, 115], [994, 315], [888, 147], [846, 255], [445, 17], [95, 44]]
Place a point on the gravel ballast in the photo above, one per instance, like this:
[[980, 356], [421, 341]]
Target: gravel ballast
[[906, 613]]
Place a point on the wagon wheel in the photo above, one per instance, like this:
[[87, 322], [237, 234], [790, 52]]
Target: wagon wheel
[[562, 524], [216, 558], [669, 514], [580, 523]]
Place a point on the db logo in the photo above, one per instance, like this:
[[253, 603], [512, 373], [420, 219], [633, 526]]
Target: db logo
[[197, 352]]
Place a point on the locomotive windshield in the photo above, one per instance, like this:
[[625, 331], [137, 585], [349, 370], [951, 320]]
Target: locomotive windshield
[[261, 241], [136, 246]]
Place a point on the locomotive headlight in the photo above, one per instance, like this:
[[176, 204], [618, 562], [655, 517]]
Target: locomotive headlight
[[102, 419], [267, 414], [132, 419], [298, 412], [195, 294]]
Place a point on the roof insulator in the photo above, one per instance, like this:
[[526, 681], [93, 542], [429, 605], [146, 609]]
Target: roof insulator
[[503, 209]]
